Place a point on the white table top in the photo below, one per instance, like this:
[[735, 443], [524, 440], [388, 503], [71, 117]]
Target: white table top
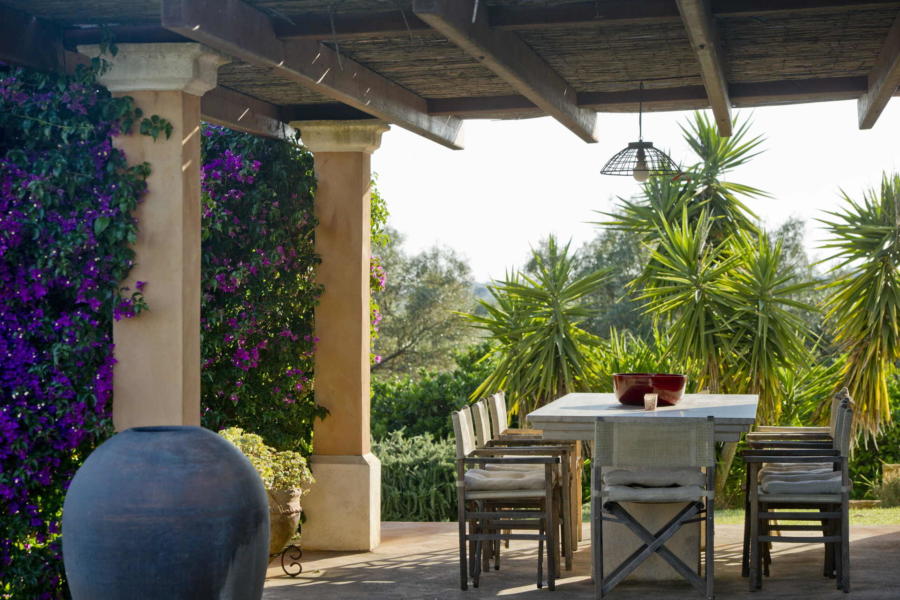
[[573, 415]]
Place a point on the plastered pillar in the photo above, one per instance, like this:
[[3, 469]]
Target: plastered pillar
[[157, 378], [343, 508]]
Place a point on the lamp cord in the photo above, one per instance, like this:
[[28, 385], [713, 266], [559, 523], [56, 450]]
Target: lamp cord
[[641, 113]]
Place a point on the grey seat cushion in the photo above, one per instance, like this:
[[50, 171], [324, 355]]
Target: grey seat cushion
[[821, 467], [624, 493], [811, 484], [482, 479], [654, 477]]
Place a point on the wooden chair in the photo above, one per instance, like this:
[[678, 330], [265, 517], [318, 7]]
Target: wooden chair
[[570, 519], [501, 432], [770, 433], [787, 438], [652, 461], [492, 503], [799, 479]]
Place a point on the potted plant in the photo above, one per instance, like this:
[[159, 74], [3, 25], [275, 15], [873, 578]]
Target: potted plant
[[286, 477]]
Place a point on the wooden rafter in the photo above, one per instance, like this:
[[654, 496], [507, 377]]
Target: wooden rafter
[[883, 79], [28, 41], [237, 29], [226, 107], [701, 29], [464, 22]]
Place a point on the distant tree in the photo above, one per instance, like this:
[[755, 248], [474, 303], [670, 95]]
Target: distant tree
[[420, 327]]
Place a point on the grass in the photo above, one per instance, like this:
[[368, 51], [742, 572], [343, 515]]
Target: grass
[[858, 516]]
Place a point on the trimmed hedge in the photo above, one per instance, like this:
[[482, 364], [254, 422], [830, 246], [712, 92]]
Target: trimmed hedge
[[417, 477]]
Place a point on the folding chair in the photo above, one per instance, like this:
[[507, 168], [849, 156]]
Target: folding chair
[[800, 479], [652, 460], [495, 502]]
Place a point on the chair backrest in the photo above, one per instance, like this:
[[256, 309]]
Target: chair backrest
[[497, 405], [482, 423], [842, 396], [462, 429], [654, 442], [843, 434]]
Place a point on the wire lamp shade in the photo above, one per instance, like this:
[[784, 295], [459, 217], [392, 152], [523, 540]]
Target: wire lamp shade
[[640, 159]]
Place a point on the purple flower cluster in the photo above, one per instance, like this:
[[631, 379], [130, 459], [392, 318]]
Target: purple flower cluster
[[259, 287], [65, 201]]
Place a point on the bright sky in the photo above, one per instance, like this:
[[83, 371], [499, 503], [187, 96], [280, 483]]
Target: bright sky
[[517, 181]]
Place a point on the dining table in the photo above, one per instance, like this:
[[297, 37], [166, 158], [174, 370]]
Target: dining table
[[572, 417]]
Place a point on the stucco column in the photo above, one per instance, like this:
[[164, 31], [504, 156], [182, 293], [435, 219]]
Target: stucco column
[[343, 508], [157, 378]]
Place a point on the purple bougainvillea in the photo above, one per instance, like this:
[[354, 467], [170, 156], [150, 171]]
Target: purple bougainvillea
[[66, 195], [259, 289]]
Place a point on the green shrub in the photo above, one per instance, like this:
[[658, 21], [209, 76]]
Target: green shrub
[[889, 493], [283, 470], [423, 404], [418, 481]]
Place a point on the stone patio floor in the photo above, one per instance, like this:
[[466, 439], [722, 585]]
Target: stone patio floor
[[420, 561]]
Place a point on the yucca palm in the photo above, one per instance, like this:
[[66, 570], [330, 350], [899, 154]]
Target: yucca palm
[[710, 192], [537, 345], [863, 307], [685, 287], [766, 332]]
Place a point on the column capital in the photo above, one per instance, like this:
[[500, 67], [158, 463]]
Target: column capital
[[186, 67], [341, 136]]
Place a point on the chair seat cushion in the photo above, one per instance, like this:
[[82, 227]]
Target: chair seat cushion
[[496, 467], [654, 478], [811, 467], [624, 493], [798, 476], [482, 479], [813, 483]]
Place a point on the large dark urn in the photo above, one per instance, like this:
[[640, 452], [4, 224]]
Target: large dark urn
[[166, 513]]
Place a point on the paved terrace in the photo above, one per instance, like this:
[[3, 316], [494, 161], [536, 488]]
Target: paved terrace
[[419, 561]]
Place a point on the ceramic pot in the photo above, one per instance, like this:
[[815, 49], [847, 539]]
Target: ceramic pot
[[631, 387], [284, 516], [166, 513]]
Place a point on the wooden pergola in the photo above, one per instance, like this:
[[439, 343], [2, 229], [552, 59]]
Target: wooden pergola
[[341, 71], [425, 65]]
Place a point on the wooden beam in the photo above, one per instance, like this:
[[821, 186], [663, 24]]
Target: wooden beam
[[356, 25], [236, 28], [228, 108], [701, 29], [120, 34], [691, 97], [348, 26], [28, 41], [883, 79], [464, 22], [331, 111]]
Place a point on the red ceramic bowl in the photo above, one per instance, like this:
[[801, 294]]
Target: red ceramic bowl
[[631, 387]]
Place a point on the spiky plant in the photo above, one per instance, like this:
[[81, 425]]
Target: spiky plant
[[537, 345], [863, 307]]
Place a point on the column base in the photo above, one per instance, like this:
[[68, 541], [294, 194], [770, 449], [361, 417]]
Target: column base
[[343, 508]]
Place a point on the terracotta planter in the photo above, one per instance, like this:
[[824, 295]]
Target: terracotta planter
[[284, 516], [166, 513]]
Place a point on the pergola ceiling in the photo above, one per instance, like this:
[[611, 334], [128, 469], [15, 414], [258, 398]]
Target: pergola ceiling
[[428, 64]]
